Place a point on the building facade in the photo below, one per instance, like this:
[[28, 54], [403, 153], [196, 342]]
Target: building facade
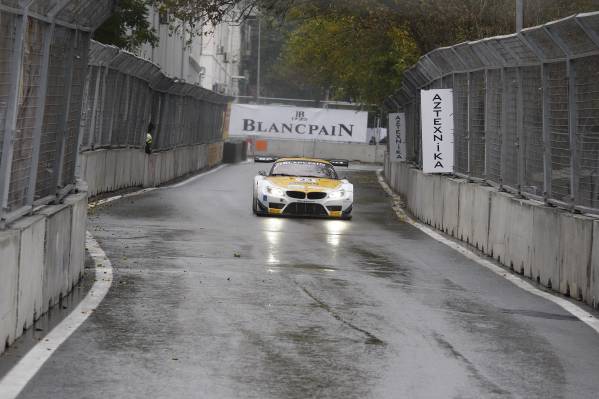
[[211, 58]]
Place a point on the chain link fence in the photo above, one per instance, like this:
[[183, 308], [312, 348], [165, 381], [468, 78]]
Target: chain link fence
[[61, 93], [127, 97], [526, 109], [43, 59]]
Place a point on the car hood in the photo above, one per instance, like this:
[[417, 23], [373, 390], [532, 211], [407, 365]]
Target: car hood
[[304, 183]]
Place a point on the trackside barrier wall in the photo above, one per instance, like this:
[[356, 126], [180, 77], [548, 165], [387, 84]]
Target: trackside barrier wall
[[318, 149], [42, 259], [43, 61], [556, 248], [127, 97], [235, 151], [109, 170], [525, 110]]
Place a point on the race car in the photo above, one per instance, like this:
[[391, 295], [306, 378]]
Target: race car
[[302, 187]]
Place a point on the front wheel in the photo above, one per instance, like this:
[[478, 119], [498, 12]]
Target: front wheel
[[254, 205]]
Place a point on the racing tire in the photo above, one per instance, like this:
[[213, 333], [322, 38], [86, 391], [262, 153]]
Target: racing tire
[[254, 205], [256, 208]]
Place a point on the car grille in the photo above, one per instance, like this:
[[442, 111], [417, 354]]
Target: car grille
[[296, 194], [316, 196], [334, 208], [276, 205], [305, 210]]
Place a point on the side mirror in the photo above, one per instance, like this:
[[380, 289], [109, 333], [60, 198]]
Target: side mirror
[[262, 173]]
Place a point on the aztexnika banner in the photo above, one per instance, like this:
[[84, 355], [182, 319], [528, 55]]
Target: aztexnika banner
[[436, 108], [286, 122], [397, 137]]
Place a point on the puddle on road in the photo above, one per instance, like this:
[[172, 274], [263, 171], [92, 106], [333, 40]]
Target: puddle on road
[[379, 265], [541, 315], [301, 266]]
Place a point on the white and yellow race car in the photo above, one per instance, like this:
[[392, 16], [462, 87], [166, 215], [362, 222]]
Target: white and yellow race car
[[303, 187]]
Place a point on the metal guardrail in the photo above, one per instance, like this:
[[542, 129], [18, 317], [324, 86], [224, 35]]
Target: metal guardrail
[[526, 109], [124, 94], [43, 58]]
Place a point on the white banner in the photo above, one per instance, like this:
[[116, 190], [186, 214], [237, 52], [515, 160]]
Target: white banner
[[397, 137], [436, 108], [286, 122]]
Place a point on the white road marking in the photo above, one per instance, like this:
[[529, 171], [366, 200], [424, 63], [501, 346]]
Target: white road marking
[[18, 377], [146, 190], [518, 281], [193, 178]]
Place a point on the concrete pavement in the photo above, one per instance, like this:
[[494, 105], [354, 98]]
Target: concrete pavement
[[210, 301]]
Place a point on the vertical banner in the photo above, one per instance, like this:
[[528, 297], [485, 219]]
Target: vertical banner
[[437, 130], [397, 137]]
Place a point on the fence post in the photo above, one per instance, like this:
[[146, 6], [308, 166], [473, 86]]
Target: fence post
[[468, 124], [95, 113], [572, 109], [115, 96], [547, 167], [61, 131], [486, 124], [79, 123], [520, 134], [39, 113], [504, 91], [10, 123], [573, 130]]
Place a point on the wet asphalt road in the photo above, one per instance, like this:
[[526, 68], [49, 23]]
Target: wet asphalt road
[[370, 308]]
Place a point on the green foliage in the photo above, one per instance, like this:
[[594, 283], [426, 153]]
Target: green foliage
[[357, 56], [128, 27]]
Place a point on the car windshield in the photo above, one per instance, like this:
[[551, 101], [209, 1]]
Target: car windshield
[[303, 169]]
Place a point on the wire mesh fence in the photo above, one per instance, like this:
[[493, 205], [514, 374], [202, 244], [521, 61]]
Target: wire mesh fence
[[127, 97], [61, 93], [526, 109], [43, 58]]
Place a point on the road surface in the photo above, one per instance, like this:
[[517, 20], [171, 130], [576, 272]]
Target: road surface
[[210, 301]]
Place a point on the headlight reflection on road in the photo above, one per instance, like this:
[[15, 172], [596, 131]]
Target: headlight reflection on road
[[335, 229], [272, 232]]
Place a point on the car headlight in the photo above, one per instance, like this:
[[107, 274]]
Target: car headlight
[[277, 192], [337, 194]]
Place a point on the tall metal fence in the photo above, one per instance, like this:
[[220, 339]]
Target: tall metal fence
[[61, 93], [43, 59], [526, 109], [126, 96]]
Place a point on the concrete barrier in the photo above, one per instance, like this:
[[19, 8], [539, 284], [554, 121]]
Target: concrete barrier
[[554, 247], [451, 205], [519, 230], [319, 149], [32, 231], [576, 242], [57, 253], [595, 266], [234, 151], [42, 256], [114, 169], [498, 225], [546, 246], [9, 283]]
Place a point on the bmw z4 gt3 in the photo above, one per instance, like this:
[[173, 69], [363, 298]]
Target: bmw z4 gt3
[[303, 187]]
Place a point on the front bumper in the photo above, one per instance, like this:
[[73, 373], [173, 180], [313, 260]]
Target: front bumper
[[326, 208]]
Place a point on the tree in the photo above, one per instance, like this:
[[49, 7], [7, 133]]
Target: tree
[[356, 51], [128, 26]]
